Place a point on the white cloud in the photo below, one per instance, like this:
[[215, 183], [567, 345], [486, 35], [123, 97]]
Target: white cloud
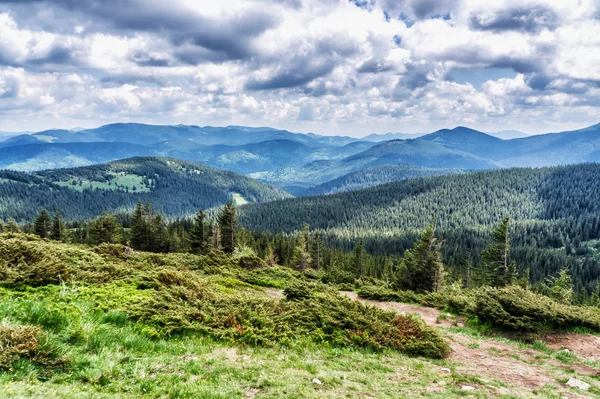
[[327, 66]]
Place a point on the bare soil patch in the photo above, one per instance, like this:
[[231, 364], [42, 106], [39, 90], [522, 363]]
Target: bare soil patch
[[519, 367]]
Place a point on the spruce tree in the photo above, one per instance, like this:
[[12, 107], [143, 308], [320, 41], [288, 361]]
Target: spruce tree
[[317, 251], [359, 254], [227, 220], [197, 236], [496, 266], [271, 257], [59, 230], [421, 268], [105, 229], [139, 228], [42, 224], [302, 259]]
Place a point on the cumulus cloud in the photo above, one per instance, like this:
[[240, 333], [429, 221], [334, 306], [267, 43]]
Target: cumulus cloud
[[333, 66]]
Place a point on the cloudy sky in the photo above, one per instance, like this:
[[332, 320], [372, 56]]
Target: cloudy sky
[[326, 66]]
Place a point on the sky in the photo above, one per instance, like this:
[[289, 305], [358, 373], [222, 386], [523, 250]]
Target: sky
[[350, 67]]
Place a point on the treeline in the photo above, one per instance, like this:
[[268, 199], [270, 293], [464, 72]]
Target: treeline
[[420, 268]]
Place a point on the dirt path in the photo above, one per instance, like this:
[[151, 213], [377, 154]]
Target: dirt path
[[517, 366]]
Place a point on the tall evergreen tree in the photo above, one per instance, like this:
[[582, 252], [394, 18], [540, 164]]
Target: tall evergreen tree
[[496, 266], [271, 257], [317, 251], [105, 229], [42, 224], [59, 229], [139, 228], [227, 220], [197, 235], [301, 259], [421, 268], [359, 255]]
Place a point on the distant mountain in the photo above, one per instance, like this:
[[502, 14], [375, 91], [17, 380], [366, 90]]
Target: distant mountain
[[433, 151], [391, 136], [373, 177], [292, 160], [143, 134], [508, 134], [175, 187], [32, 157], [7, 135], [467, 140]]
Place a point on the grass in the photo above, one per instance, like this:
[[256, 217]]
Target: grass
[[111, 356], [119, 181], [111, 325], [238, 199]]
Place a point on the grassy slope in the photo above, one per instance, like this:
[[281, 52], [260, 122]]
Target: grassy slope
[[93, 317]]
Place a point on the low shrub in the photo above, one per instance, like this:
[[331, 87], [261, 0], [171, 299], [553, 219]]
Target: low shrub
[[167, 294], [19, 343], [386, 294], [517, 309], [297, 291]]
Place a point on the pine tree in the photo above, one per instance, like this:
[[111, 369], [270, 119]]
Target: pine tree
[[59, 230], [105, 229], [12, 227], [197, 236], [227, 220], [301, 259], [42, 224], [215, 236], [271, 257], [421, 268], [496, 266], [317, 250], [560, 288], [359, 254], [139, 228]]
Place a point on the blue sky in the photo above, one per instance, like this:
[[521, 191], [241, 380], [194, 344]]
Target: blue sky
[[328, 66]]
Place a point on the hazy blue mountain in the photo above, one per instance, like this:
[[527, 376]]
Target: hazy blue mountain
[[33, 157], [7, 135], [467, 140], [373, 177], [292, 160], [508, 134], [143, 134], [391, 136], [434, 152], [562, 148]]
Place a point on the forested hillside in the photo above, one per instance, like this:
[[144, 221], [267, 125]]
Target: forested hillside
[[555, 212], [175, 187], [372, 177]]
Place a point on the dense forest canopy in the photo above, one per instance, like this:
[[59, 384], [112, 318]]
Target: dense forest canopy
[[177, 188], [555, 212]]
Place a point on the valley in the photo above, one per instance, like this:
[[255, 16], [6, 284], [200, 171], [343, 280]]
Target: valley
[[297, 162]]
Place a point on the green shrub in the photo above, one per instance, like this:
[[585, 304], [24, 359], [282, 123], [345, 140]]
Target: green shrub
[[386, 294], [517, 309], [297, 291], [167, 294]]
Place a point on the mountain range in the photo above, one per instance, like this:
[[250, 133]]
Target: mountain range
[[298, 162]]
